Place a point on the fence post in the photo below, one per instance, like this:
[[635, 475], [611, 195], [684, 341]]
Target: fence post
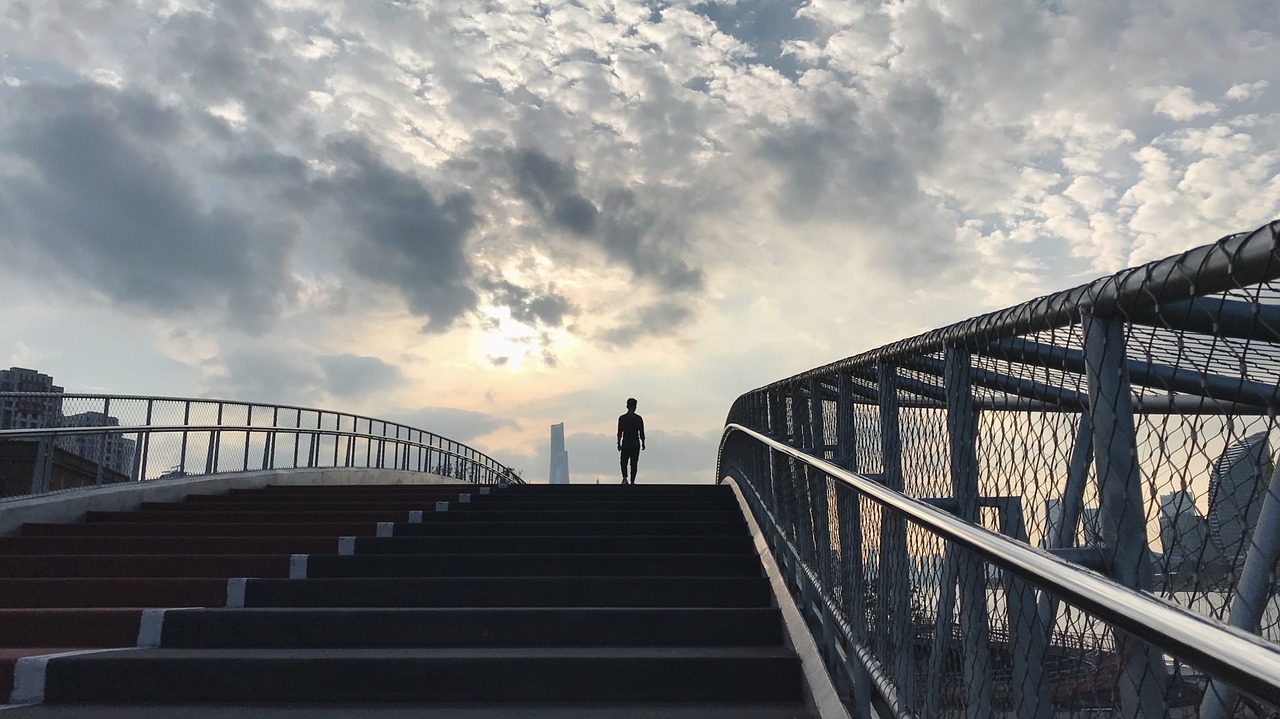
[[1123, 521], [186, 422], [969, 571], [894, 586], [144, 445], [102, 442], [248, 424], [846, 434], [817, 425]]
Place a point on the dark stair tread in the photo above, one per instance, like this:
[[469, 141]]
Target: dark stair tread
[[419, 711], [553, 626], [530, 565]]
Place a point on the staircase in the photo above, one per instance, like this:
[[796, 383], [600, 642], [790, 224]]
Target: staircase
[[616, 601]]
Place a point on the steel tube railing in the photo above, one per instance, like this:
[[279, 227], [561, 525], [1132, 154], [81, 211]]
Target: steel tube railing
[[1240, 658]]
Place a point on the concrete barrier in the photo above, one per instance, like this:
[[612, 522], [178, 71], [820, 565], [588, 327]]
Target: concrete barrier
[[71, 505]]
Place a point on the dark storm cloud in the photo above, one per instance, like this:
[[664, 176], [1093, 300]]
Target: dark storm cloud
[[462, 425], [551, 188], [629, 231], [91, 196], [859, 166], [351, 376], [225, 51], [655, 320], [548, 308], [401, 235], [265, 376]]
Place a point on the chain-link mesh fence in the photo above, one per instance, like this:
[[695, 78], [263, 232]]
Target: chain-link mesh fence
[[55, 441], [1128, 426]]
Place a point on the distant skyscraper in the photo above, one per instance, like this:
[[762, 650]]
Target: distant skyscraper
[[115, 451], [1237, 484], [559, 457], [28, 412], [1091, 519], [1053, 524]]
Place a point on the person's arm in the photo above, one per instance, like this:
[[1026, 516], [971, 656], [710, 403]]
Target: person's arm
[[641, 432], [619, 434]]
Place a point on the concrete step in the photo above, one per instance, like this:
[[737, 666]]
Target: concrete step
[[146, 565], [545, 627], [428, 514], [87, 628], [309, 504], [631, 710], [486, 592], [593, 529], [276, 517], [531, 565], [423, 489], [202, 529], [167, 545], [605, 544], [384, 676], [115, 592]]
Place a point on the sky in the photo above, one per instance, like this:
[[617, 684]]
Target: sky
[[486, 217]]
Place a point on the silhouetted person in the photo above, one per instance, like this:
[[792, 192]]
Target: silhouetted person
[[630, 439]]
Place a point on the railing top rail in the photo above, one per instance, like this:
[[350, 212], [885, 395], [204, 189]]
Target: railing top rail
[[210, 400], [1234, 261], [1236, 656], [242, 403]]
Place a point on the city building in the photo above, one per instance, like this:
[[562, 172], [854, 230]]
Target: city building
[[1184, 533], [1053, 525], [1237, 483], [1091, 518], [559, 457], [114, 450], [29, 412]]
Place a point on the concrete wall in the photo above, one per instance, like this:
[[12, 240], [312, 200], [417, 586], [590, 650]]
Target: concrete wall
[[71, 505]]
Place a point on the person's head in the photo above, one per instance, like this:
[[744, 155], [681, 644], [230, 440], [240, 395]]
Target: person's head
[[631, 404]]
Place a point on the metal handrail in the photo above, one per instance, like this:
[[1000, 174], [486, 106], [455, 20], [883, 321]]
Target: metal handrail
[[1238, 657], [251, 418]]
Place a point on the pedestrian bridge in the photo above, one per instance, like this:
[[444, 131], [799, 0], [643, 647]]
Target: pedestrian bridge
[[1066, 508]]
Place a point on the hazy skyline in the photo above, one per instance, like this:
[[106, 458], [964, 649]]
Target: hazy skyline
[[483, 219]]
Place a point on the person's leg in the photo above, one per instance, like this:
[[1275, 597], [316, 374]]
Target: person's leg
[[623, 461], [635, 460]]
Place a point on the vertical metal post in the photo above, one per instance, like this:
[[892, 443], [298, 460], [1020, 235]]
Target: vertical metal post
[[893, 582], [144, 445], [186, 422], [102, 442], [849, 528], [248, 423], [846, 435], [1027, 639], [40, 479], [970, 572], [337, 427], [817, 427], [215, 441], [1123, 522], [1252, 592]]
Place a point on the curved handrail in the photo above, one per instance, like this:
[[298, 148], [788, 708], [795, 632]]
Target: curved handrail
[[239, 418], [1236, 656]]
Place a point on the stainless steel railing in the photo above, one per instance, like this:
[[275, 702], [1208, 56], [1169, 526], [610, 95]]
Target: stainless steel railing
[[1230, 654], [90, 439]]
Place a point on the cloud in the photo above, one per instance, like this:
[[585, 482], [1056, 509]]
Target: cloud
[[1246, 90], [658, 319], [1177, 102], [398, 233], [94, 198], [532, 308], [349, 376], [461, 425]]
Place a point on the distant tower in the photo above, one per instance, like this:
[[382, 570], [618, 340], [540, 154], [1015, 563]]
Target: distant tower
[[1237, 484], [559, 457]]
